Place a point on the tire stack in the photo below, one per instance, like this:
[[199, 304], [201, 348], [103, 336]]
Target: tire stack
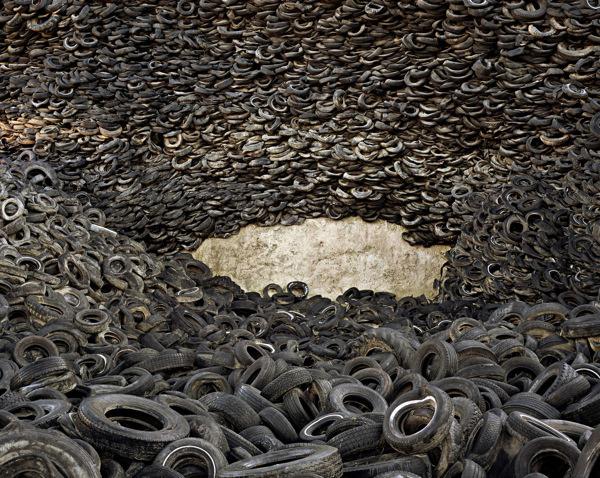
[[183, 120], [535, 238], [115, 362]]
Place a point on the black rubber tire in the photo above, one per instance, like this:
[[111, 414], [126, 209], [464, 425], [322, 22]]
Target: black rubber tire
[[552, 309], [347, 423], [281, 366], [156, 471], [182, 405], [552, 378], [467, 414], [582, 327], [531, 404], [238, 453], [19, 444], [519, 367], [292, 460], [9, 398], [526, 427], [359, 363], [398, 474], [234, 440], [208, 429], [38, 370], [203, 383], [575, 431], [530, 458], [489, 371], [471, 349], [342, 396], [515, 309], [588, 464], [29, 342], [465, 469], [49, 410], [408, 382], [295, 377], [318, 391], [299, 408], [162, 424], [259, 373], [232, 409], [435, 360], [90, 450], [252, 397], [110, 468], [586, 410], [509, 347], [193, 453], [394, 341], [377, 379], [358, 440], [461, 326], [461, 387], [374, 466], [92, 321], [262, 437], [483, 445], [8, 368], [490, 398], [492, 392], [248, 352], [428, 437], [279, 424], [168, 360], [307, 433]]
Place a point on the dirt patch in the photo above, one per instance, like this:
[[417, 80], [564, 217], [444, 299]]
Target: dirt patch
[[330, 256]]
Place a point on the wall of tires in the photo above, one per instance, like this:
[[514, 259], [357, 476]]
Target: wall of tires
[[132, 131]]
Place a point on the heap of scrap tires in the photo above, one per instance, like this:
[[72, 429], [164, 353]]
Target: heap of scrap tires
[[134, 128], [115, 362], [235, 112]]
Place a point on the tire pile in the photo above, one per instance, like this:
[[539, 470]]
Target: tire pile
[[116, 363], [535, 238], [237, 112], [173, 121]]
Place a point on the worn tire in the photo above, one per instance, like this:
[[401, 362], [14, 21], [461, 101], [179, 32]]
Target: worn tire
[[19, 444], [287, 462], [547, 455], [428, 437], [343, 397], [162, 425], [192, 453]]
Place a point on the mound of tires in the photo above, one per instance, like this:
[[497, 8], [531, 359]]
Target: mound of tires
[[533, 238], [115, 362], [188, 119]]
